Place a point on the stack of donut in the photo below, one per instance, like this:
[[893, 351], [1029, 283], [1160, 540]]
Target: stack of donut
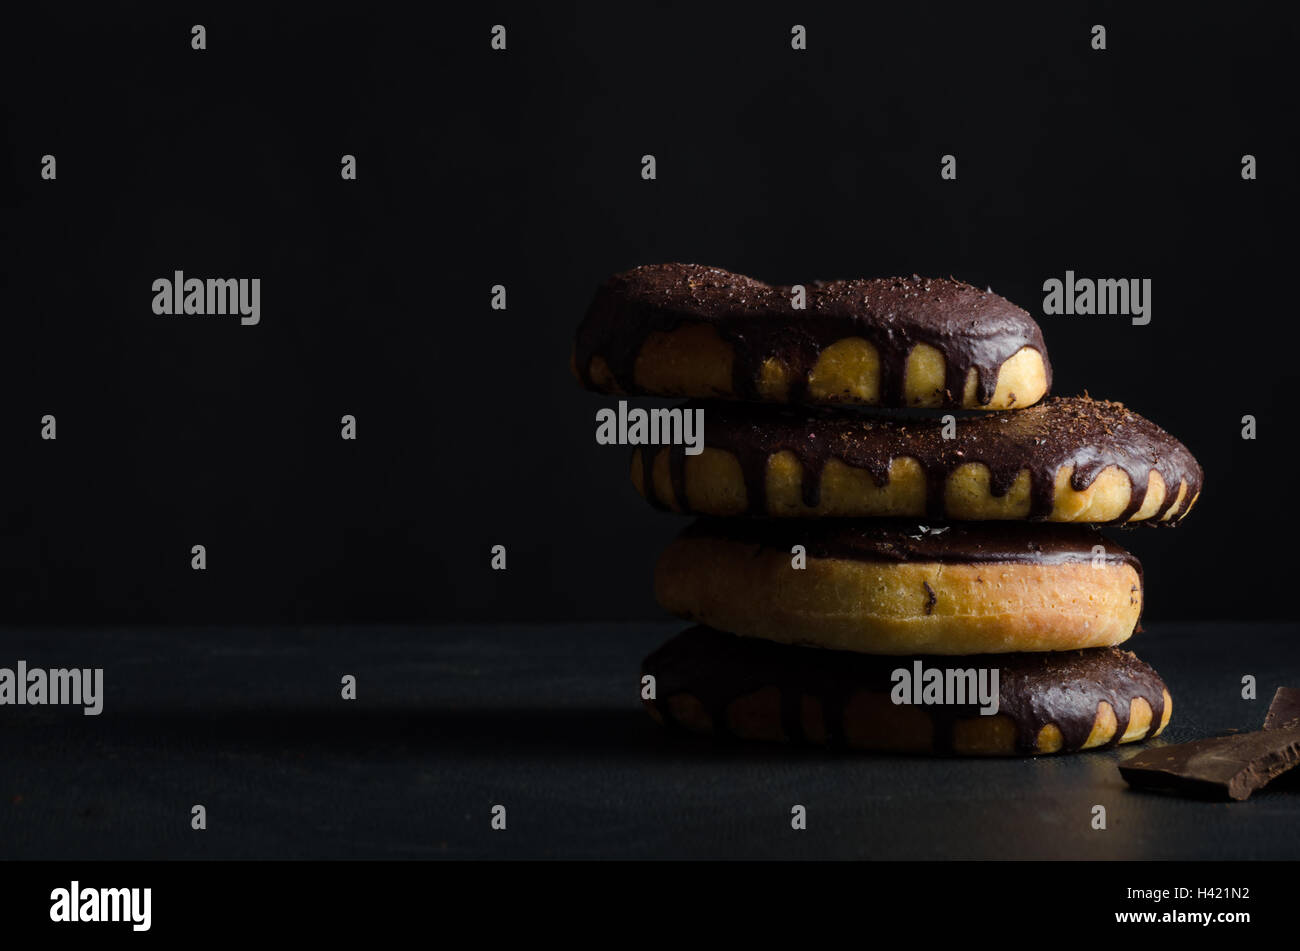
[[884, 485]]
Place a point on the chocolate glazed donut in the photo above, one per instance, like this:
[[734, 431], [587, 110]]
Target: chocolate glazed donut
[[1088, 434], [971, 328], [1063, 688]]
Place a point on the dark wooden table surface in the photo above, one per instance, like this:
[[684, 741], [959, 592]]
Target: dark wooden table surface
[[545, 720]]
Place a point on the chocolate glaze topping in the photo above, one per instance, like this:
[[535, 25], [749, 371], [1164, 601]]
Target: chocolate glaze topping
[[1035, 689], [971, 328], [1088, 434], [904, 541]]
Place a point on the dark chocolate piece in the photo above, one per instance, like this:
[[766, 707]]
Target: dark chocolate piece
[[1035, 688], [1088, 434], [970, 327], [904, 540], [1284, 711], [1218, 767]]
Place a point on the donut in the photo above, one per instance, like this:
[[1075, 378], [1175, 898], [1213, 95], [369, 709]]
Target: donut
[[707, 681], [702, 332], [898, 587], [1068, 459]]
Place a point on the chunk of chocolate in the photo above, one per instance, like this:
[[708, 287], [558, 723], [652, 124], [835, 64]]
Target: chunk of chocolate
[[1224, 767], [1284, 711]]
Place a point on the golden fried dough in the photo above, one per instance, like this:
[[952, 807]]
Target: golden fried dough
[[898, 588]]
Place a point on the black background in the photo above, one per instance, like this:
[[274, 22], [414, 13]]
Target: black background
[[523, 168]]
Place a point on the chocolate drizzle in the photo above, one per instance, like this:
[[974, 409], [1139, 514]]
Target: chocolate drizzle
[[973, 329], [1089, 435], [1035, 689]]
